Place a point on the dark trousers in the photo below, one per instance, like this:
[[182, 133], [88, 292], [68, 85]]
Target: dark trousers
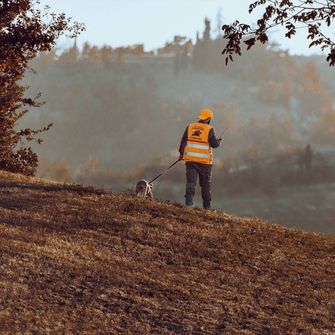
[[204, 171]]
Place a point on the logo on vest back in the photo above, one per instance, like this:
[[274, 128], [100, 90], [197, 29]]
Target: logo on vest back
[[197, 133]]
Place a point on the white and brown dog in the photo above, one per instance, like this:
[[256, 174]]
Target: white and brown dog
[[144, 189]]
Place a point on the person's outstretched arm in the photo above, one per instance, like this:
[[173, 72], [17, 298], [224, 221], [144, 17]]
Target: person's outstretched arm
[[213, 140], [183, 143]]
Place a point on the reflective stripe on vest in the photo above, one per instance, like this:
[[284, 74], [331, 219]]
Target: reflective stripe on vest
[[198, 148], [196, 154]]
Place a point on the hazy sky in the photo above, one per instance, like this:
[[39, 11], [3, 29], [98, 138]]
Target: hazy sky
[[154, 22]]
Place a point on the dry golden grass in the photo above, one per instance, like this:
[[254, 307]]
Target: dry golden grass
[[79, 260]]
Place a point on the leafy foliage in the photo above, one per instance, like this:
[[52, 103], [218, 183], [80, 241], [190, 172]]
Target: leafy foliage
[[24, 32], [312, 15]]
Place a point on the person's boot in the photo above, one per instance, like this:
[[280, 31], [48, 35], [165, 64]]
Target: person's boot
[[190, 192], [207, 205], [188, 202]]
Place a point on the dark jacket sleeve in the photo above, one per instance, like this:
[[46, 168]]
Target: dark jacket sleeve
[[214, 143], [183, 142]]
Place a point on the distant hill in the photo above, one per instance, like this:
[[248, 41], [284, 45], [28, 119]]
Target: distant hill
[[80, 260]]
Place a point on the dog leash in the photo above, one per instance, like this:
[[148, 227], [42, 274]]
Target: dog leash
[[170, 167]]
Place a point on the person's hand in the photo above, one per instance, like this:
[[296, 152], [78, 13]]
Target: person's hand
[[219, 139], [181, 157]]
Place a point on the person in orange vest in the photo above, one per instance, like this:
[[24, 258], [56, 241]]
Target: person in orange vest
[[196, 149]]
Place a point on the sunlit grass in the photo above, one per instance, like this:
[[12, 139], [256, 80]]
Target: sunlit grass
[[75, 259]]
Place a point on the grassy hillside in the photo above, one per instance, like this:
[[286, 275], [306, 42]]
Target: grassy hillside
[[79, 260]]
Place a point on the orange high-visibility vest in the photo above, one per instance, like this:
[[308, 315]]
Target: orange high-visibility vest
[[198, 149]]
